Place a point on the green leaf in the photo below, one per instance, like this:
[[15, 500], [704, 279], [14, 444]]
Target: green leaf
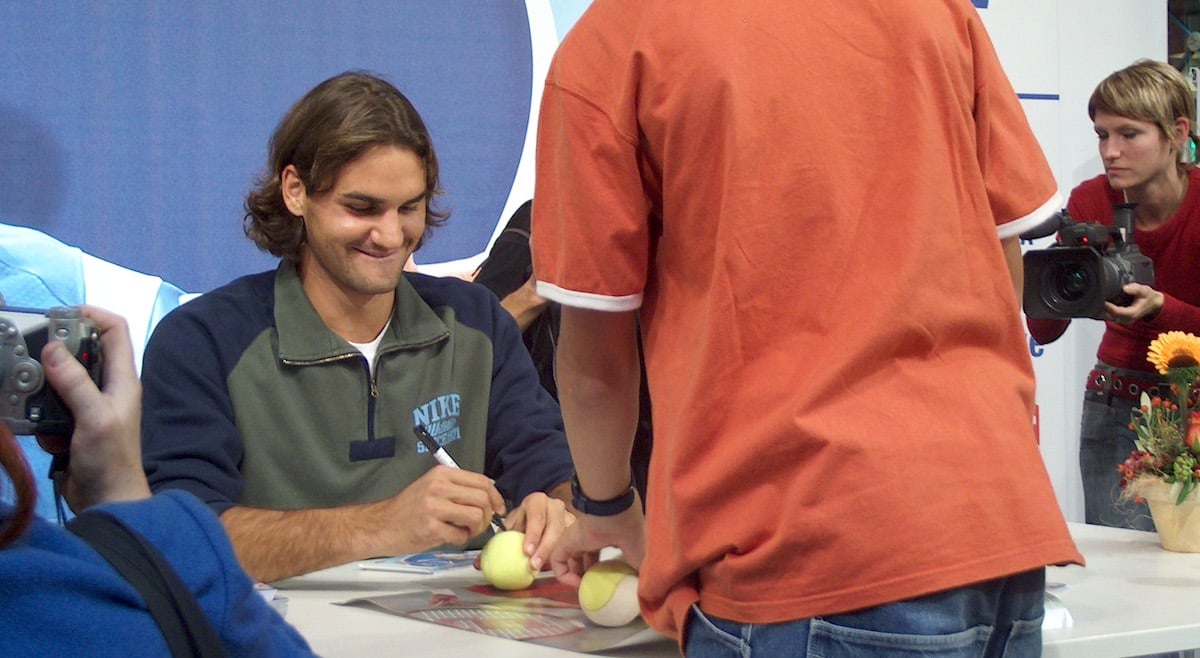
[[1187, 488]]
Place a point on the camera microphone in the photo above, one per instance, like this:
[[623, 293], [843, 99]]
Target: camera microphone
[[1123, 220]]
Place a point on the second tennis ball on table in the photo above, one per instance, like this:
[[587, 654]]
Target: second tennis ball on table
[[504, 563], [608, 593]]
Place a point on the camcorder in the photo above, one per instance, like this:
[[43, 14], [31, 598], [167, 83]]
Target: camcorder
[[1088, 266], [28, 404]]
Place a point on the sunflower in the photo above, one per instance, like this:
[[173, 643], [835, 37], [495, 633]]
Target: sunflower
[[1174, 349], [1167, 447]]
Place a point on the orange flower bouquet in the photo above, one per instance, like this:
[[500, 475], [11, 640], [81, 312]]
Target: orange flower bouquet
[[1162, 470], [1168, 430]]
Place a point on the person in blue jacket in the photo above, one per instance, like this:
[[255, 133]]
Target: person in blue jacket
[[287, 400], [60, 597]]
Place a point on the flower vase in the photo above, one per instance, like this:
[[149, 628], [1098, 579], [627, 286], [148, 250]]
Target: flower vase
[[1178, 525]]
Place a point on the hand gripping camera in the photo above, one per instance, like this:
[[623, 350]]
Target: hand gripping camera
[[1089, 265], [28, 404]]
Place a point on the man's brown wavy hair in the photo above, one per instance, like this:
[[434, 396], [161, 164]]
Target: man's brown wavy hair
[[331, 126]]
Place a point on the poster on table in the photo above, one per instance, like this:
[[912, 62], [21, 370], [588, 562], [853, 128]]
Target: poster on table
[[547, 613]]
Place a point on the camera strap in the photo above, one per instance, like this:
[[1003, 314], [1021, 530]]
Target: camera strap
[[58, 472], [175, 609]]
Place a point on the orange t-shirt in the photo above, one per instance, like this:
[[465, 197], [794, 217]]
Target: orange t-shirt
[[804, 203]]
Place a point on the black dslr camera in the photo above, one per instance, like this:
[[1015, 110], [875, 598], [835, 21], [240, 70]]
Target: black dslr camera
[[28, 404], [1089, 265]]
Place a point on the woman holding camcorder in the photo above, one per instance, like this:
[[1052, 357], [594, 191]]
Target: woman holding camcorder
[[1144, 118]]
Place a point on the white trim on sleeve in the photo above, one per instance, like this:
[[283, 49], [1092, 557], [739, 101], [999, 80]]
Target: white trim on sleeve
[[589, 300], [1021, 224]]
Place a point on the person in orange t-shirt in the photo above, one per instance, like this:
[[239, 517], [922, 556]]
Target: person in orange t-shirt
[[813, 215]]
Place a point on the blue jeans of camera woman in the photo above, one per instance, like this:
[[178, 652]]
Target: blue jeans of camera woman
[[999, 618], [1105, 441]]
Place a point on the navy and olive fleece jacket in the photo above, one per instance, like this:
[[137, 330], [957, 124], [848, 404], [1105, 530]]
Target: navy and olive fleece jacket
[[249, 399]]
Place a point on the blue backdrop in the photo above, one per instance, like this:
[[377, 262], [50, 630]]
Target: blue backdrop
[[132, 129]]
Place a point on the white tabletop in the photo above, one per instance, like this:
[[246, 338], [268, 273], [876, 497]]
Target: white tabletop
[[1133, 598]]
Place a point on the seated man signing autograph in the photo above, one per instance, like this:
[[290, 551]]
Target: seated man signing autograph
[[287, 400]]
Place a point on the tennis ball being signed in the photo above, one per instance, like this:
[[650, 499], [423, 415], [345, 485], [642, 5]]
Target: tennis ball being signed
[[608, 593], [504, 563]]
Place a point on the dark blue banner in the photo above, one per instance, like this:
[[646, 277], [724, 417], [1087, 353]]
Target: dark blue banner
[[133, 130]]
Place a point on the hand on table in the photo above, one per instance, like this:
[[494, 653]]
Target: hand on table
[[444, 506], [543, 519], [581, 542]]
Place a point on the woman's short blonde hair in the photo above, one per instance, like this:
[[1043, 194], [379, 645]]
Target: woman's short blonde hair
[[1151, 91]]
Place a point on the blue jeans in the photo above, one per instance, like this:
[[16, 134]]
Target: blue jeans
[[1105, 441], [999, 618]]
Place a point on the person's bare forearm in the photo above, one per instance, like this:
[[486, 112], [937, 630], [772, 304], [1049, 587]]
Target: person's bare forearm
[[277, 544], [1016, 266], [445, 506], [599, 375], [524, 304]]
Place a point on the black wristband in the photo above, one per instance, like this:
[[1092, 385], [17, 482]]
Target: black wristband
[[610, 507]]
